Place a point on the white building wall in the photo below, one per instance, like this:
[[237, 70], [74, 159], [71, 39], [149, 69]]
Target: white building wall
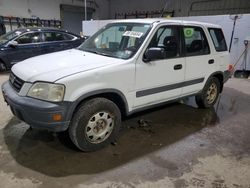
[[241, 33], [47, 9]]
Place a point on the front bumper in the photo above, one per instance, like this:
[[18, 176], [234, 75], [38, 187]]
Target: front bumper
[[37, 113]]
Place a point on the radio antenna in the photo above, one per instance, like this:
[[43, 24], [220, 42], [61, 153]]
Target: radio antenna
[[163, 10]]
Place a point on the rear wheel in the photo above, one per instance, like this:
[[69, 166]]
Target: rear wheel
[[95, 124], [2, 67], [209, 95]]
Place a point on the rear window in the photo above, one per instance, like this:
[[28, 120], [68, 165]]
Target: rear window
[[218, 39]]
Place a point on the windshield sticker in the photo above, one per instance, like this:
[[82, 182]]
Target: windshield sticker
[[133, 34]]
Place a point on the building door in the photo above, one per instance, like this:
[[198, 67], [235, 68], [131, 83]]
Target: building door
[[72, 17]]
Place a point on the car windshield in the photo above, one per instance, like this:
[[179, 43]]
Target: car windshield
[[8, 36], [118, 40]]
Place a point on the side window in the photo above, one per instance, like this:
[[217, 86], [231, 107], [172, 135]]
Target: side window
[[218, 39], [195, 41], [68, 37], [167, 38], [53, 36], [59, 36], [49, 36], [29, 38]]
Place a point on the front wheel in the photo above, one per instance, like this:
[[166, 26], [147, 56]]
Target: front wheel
[[209, 95], [95, 124]]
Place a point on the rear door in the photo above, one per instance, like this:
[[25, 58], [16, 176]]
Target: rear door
[[71, 41], [52, 42], [220, 47], [57, 41], [200, 62]]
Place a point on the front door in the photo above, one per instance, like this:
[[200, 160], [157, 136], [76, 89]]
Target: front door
[[161, 79], [28, 46]]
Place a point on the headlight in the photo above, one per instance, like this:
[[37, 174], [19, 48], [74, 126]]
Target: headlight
[[47, 91]]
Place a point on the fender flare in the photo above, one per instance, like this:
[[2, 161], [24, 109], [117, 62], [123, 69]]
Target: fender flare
[[77, 102], [221, 81]]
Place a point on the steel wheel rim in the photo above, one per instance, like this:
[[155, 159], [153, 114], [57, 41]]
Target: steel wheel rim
[[99, 127], [212, 93]]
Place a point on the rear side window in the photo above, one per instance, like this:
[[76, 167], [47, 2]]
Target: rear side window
[[218, 39], [68, 37], [56, 36], [195, 41]]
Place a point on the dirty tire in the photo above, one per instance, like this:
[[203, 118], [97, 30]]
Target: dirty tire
[[2, 67], [241, 74], [209, 95], [99, 117]]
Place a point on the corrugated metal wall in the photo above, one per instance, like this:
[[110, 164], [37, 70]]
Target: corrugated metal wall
[[182, 7], [216, 7]]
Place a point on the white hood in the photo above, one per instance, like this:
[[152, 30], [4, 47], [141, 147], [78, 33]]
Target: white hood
[[54, 66]]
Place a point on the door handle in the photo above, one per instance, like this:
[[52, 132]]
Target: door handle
[[210, 61], [178, 67]]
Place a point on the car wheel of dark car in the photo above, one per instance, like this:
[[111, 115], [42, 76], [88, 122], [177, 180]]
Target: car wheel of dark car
[[2, 67]]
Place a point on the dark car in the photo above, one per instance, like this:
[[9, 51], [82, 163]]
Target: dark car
[[24, 43]]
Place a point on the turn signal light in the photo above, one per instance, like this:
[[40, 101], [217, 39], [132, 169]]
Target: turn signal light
[[57, 117]]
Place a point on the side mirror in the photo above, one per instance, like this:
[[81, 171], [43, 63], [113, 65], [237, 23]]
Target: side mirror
[[154, 54], [13, 44]]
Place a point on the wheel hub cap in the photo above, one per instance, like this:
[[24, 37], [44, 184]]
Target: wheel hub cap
[[99, 127], [212, 93]]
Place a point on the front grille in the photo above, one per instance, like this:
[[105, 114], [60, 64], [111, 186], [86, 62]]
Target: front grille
[[16, 82]]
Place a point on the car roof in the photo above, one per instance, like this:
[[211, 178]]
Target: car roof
[[166, 20], [26, 29]]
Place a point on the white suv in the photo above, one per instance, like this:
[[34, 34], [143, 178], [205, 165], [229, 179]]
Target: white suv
[[125, 67]]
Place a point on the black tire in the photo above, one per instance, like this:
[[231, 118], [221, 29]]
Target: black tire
[[85, 123], [204, 100], [2, 67], [241, 74]]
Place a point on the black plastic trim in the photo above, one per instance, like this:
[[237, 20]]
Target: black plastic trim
[[146, 92], [98, 92], [160, 104]]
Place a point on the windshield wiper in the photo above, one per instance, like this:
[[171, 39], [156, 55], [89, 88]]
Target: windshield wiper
[[104, 54], [99, 53]]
